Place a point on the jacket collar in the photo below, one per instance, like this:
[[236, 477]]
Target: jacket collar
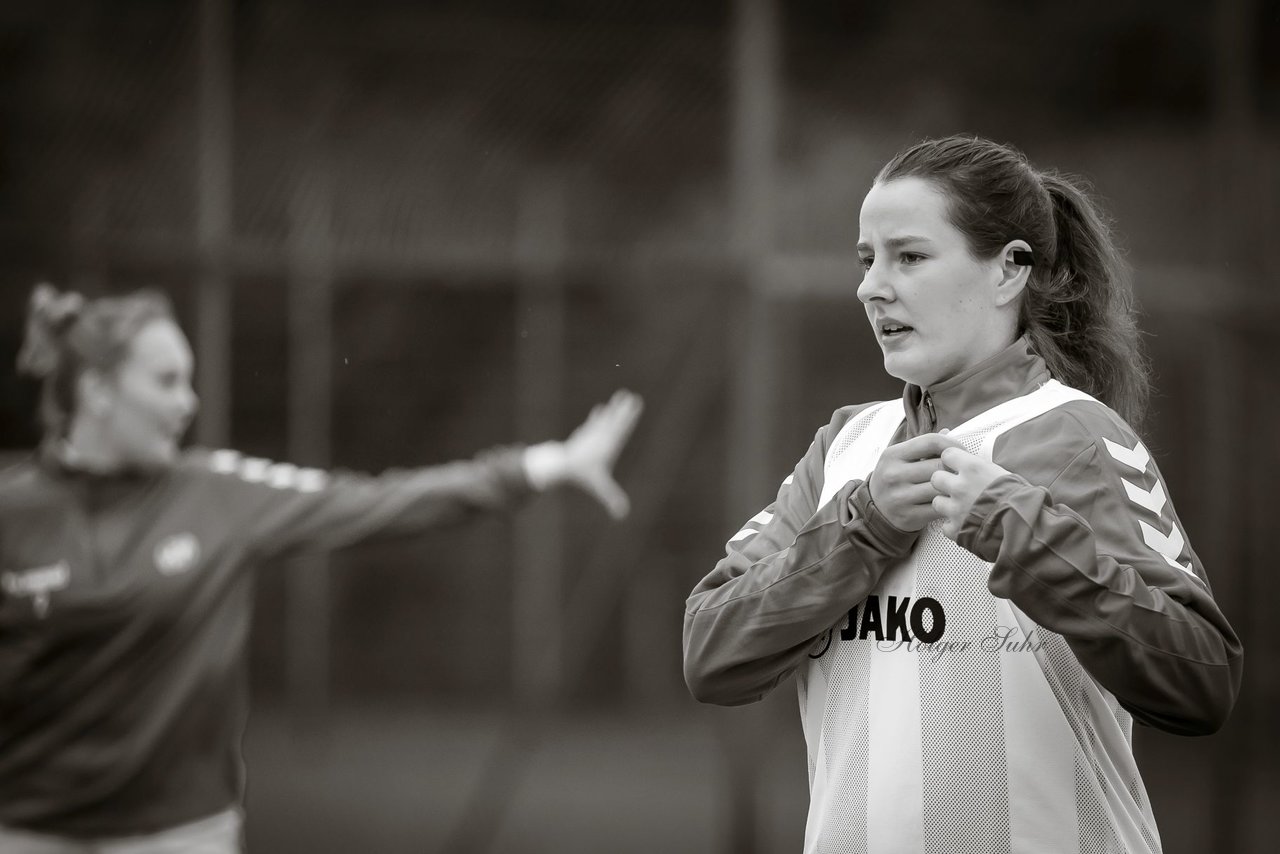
[[58, 459], [1012, 372]]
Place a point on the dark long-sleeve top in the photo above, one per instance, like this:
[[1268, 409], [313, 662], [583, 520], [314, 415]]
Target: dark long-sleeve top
[[124, 610]]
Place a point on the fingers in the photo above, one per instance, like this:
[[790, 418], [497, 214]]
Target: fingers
[[594, 447], [918, 494], [622, 405], [944, 481], [910, 476], [951, 458], [618, 417], [929, 477], [608, 427], [957, 459], [905, 475], [612, 496], [924, 446], [945, 505], [624, 410], [921, 471], [948, 509]]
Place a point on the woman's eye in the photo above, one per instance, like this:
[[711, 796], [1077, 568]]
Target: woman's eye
[[911, 258], [866, 262]]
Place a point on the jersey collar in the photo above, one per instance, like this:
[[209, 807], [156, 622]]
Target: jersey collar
[[57, 458], [1012, 372]]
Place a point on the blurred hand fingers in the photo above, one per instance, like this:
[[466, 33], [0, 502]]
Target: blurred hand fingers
[[610, 495], [619, 415]]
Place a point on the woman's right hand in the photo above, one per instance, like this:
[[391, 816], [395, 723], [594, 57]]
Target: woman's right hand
[[900, 485]]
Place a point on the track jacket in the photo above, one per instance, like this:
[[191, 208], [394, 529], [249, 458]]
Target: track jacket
[[1104, 612], [124, 609]]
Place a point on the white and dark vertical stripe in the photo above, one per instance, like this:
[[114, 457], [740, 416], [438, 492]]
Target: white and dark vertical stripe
[[838, 817], [835, 688], [1040, 748], [966, 750], [895, 756], [961, 709]]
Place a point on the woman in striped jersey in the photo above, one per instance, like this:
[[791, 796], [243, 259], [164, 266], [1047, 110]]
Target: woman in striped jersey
[[981, 585], [124, 584]]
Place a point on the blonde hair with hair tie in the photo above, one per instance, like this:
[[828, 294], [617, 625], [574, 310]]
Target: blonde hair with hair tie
[[67, 334], [49, 313]]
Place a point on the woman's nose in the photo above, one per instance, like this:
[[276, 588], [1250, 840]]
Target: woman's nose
[[874, 286]]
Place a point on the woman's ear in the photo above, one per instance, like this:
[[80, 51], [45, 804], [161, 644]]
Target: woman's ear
[[94, 393], [1016, 260]]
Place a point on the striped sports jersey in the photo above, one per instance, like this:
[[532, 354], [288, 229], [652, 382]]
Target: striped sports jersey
[[975, 695], [124, 611]]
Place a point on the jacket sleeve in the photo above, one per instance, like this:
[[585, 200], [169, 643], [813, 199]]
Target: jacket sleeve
[[281, 508], [1093, 550], [790, 574]]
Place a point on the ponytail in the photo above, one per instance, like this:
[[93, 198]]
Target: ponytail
[[49, 314], [1080, 317]]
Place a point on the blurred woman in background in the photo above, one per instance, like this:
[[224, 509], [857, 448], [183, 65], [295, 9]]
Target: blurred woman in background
[[981, 585], [124, 588]]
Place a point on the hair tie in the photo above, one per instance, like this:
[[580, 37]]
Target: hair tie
[[60, 309], [49, 316]]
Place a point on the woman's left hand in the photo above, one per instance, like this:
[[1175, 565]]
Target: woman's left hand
[[959, 482]]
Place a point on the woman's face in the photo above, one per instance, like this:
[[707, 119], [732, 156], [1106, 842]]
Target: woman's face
[[934, 308], [148, 403]]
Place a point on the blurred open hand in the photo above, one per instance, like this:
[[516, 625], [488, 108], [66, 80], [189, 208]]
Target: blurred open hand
[[592, 449]]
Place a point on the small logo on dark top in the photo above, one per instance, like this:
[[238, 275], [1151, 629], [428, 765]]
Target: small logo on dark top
[[177, 554], [36, 584]]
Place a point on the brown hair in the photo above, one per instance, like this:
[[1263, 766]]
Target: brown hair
[[1077, 310], [67, 334]]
